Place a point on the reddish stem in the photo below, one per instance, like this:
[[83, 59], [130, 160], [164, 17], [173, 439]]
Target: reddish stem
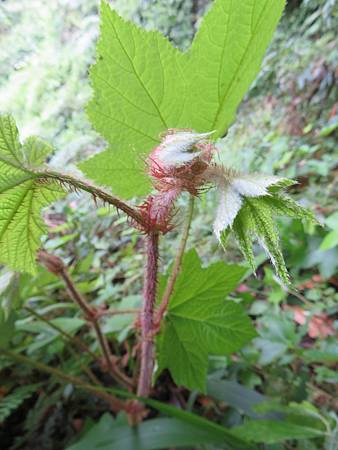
[[55, 265], [147, 319], [176, 268]]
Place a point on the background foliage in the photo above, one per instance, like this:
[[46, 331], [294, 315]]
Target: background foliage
[[287, 124]]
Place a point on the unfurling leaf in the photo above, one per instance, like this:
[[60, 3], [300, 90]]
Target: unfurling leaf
[[143, 85], [256, 219], [22, 197], [233, 187], [247, 206], [202, 321]]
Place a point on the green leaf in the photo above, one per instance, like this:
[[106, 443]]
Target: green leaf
[[265, 229], [123, 172], [35, 151], [10, 300], [320, 356], [7, 327], [330, 240], [22, 198], [200, 321], [153, 434], [143, 85], [9, 139], [225, 58], [271, 431], [242, 226], [283, 205], [190, 421], [256, 219], [138, 91], [12, 401], [235, 395]]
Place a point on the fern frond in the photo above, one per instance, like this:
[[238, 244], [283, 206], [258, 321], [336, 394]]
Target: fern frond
[[12, 401]]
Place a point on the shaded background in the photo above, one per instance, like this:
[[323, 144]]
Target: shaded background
[[286, 125]]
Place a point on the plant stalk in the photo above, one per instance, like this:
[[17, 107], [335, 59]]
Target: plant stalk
[[56, 266], [177, 265], [147, 316], [115, 404], [106, 197]]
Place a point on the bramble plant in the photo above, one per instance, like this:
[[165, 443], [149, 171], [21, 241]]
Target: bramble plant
[[161, 112]]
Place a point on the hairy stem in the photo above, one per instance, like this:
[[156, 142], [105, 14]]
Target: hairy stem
[[115, 404], [147, 319], [177, 265], [76, 296], [56, 266], [96, 192]]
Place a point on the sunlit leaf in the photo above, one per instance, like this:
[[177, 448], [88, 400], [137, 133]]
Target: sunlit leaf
[[22, 198]]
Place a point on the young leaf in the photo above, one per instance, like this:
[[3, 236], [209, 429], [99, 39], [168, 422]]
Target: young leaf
[[256, 219], [267, 233], [22, 197], [200, 321], [143, 85]]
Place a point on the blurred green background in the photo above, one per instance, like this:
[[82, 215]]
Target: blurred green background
[[286, 125]]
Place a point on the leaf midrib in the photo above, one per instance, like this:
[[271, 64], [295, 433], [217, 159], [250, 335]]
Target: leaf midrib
[[15, 210], [136, 74], [253, 33], [9, 147]]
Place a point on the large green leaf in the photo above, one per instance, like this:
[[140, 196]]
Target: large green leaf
[[22, 197], [225, 58], [143, 85], [121, 171], [200, 321], [137, 82]]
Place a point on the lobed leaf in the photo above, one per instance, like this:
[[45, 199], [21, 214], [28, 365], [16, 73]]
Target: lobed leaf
[[225, 58], [138, 90], [143, 85], [256, 219], [200, 321], [22, 197]]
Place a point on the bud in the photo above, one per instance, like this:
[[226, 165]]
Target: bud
[[179, 147], [52, 263], [178, 164]]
